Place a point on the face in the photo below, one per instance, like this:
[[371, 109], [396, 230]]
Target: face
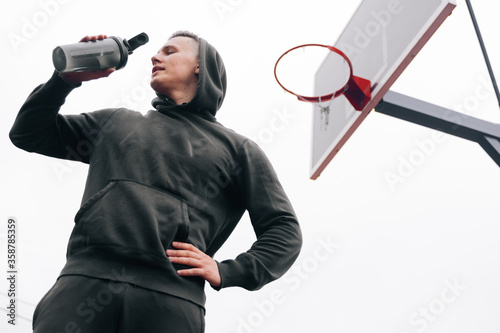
[[176, 67]]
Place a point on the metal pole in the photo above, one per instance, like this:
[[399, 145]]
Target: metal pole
[[483, 48], [403, 107]]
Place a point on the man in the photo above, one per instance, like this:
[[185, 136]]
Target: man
[[164, 192]]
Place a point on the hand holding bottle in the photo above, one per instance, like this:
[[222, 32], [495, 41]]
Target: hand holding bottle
[[78, 77]]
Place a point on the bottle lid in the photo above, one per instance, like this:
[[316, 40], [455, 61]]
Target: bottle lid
[[136, 41]]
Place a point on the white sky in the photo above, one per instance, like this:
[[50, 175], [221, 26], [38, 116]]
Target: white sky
[[413, 256]]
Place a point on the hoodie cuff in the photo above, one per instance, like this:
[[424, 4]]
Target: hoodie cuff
[[234, 273], [72, 85]]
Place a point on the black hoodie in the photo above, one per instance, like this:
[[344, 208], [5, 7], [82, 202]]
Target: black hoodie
[[172, 174]]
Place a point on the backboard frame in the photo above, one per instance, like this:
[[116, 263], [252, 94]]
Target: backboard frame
[[444, 9]]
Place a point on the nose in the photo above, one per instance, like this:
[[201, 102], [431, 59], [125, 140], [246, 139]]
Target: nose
[[154, 59]]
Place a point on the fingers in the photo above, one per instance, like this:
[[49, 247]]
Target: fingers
[[107, 72], [202, 264], [78, 77], [187, 254], [93, 38], [192, 272], [184, 258], [189, 258], [186, 246]]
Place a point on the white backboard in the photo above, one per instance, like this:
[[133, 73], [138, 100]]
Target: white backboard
[[381, 39]]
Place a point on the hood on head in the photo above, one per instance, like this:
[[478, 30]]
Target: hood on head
[[212, 84]]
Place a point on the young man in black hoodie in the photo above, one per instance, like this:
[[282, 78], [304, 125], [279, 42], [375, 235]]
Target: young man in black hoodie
[[164, 191]]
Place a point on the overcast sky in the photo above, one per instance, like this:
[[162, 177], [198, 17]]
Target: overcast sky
[[413, 255]]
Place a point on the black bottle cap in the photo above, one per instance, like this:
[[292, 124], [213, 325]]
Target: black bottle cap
[[136, 41]]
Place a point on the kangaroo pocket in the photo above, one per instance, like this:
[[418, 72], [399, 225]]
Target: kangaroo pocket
[[131, 215]]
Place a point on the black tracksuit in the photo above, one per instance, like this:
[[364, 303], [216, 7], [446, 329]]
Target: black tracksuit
[[172, 174]]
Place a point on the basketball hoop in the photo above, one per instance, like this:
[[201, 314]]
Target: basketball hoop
[[357, 90]]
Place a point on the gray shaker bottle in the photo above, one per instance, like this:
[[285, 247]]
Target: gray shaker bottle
[[96, 55]]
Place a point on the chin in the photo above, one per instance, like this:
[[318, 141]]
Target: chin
[[155, 86]]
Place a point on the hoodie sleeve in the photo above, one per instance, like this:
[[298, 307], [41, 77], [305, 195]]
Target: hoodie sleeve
[[41, 129], [279, 237]]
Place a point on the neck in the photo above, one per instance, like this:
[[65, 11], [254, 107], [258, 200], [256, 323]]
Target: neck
[[183, 95]]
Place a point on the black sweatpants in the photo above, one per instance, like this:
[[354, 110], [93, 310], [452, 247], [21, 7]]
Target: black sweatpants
[[79, 304]]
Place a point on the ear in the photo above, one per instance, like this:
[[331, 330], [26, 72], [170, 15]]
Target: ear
[[197, 71]]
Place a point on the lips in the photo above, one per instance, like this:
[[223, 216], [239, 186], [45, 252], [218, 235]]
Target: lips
[[157, 68]]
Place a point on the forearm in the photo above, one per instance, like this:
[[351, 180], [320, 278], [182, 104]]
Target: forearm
[[268, 259]]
